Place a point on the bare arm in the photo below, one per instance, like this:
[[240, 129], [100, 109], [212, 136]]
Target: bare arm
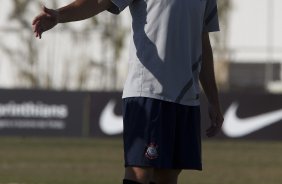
[[82, 9], [207, 79], [75, 11]]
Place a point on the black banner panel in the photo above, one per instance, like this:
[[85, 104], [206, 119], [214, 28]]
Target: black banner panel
[[106, 114], [247, 115], [49, 113], [41, 113]]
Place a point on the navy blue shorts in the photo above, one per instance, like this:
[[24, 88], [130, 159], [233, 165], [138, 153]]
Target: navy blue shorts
[[161, 134]]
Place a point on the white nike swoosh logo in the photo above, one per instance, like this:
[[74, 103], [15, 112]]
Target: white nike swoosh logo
[[236, 127], [110, 123]]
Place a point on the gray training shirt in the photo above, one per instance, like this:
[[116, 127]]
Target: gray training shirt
[[166, 47]]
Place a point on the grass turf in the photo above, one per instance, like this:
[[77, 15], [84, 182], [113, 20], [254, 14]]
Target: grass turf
[[99, 161]]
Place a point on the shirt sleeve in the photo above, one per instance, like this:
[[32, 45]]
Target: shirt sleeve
[[119, 5], [211, 23]]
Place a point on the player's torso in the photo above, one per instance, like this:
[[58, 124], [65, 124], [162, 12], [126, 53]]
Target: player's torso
[[166, 43]]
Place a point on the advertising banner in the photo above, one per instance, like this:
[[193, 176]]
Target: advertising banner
[[41, 113], [252, 116], [106, 114], [247, 115]]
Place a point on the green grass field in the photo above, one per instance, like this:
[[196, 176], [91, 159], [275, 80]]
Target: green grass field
[[99, 161]]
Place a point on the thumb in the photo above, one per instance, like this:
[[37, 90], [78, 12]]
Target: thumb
[[48, 11]]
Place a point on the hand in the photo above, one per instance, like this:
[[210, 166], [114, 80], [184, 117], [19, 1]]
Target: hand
[[216, 120], [46, 20]]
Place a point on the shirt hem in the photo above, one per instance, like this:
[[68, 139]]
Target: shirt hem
[[197, 167], [190, 102]]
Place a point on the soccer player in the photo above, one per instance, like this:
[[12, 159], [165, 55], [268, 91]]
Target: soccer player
[[170, 53]]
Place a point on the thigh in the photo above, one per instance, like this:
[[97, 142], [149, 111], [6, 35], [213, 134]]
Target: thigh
[[142, 175]]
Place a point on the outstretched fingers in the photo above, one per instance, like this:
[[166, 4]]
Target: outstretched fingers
[[44, 21], [36, 29]]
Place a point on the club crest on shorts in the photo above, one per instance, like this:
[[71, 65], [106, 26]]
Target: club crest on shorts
[[151, 151]]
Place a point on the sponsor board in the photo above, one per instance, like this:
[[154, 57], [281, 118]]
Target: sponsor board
[[41, 113], [49, 113], [247, 115], [106, 114]]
